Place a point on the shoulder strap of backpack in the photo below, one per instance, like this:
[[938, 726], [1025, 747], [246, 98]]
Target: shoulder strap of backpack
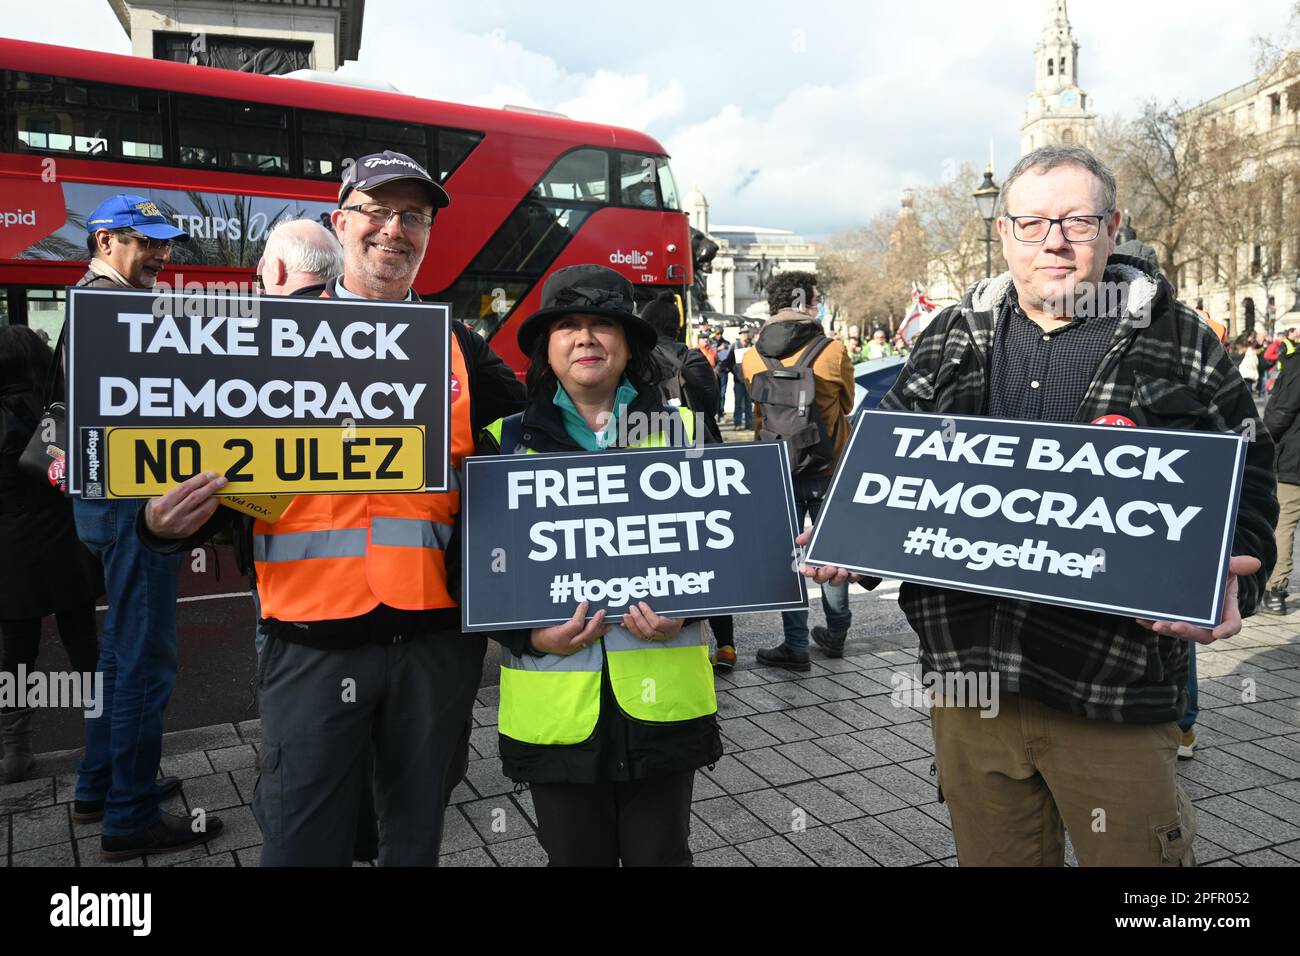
[[512, 429], [814, 349]]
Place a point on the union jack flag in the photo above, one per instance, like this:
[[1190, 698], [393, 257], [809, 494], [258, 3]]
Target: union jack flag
[[918, 316]]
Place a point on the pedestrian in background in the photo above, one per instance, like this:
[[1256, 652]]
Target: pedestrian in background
[[44, 568], [1282, 419], [742, 410], [793, 337]]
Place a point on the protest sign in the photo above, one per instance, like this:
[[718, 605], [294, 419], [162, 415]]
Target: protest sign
[[692, 532], [1130, 521], [282, 395]]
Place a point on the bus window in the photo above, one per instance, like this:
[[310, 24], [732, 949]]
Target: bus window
[[45, 311], [483, 302], [667, 185], [582, 175], [52, 115], [231, 135], [330, 138], [453, 146], [636, 180], [530, 239]]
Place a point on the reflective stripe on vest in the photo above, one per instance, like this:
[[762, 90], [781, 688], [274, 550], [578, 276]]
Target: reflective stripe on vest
[[333, 557], [555, 699]]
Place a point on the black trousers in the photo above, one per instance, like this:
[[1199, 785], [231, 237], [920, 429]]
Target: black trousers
[[22, 640], [724, 630], [640, 823]]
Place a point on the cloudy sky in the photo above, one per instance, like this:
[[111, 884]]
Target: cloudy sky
[[810, 116]]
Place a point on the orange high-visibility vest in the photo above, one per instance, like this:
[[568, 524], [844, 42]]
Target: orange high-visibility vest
[[332, 557]]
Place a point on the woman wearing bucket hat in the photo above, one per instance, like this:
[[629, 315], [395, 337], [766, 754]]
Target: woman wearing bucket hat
[[611, 775]]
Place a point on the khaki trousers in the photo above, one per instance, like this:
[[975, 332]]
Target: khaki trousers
[[1016, 782], [1288, 497]]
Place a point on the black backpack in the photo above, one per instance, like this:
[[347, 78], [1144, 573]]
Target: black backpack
[[788, 395], [668, 375]]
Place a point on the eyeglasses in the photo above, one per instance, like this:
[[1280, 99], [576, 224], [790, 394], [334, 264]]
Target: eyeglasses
[[383, 215], [153, 245], [1074, 228]]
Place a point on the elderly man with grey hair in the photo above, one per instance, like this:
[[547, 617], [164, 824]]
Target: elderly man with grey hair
[[1084, 737], [300, 257]]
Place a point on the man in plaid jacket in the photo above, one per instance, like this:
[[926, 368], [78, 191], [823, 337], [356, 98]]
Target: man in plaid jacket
[[1085, 738]]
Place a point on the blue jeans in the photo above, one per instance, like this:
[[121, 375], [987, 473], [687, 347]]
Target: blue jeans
[[1189, 718], [137, 656], [809, 493], [744, 405]]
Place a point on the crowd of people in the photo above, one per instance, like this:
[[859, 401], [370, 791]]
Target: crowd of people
[[362, 590]]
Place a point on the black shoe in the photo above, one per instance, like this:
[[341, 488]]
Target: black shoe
[[834, 647], [92, 811], [782, 656], [1274, 603], [173, 832]]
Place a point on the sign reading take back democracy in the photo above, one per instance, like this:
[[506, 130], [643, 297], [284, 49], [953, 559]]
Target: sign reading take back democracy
[[692, 532], [1131, 521], [282, 395]]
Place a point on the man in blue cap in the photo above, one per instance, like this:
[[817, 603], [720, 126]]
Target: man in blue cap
[[130, 242]]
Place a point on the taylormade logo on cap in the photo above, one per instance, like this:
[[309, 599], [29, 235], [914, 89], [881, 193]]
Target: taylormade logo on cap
[[394, 161]]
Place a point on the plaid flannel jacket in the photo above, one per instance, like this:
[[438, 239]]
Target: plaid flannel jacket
[[1164, 368]]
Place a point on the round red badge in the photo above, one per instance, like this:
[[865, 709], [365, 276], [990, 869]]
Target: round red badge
[[455, 388], [1115, 420], [57, 472]]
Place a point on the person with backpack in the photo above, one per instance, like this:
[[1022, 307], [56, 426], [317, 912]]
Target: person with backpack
[[802, 386], [685, 378]]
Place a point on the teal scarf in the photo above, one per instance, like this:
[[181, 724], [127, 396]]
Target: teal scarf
[[577, 426]]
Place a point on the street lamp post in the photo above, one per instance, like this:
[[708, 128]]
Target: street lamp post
[[986, 201]]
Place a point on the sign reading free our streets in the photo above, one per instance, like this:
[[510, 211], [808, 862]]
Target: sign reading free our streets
[[693, 532], [1131, 521], [282, 395]]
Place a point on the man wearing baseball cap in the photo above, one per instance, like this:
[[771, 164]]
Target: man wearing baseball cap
[[130, 241], [361, 591]]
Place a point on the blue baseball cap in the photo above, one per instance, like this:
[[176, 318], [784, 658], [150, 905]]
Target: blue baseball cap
[[125, 211]]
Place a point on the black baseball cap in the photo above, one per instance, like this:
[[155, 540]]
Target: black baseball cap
[[377, 169]]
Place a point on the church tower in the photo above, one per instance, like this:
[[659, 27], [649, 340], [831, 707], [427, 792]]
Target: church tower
[[1058, 111]]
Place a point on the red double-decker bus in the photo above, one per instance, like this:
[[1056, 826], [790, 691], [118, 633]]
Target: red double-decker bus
[[226, 155]]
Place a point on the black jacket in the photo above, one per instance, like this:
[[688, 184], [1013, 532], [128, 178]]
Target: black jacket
[[699, 384], [44, 567], [1282, 419], [620, 748], [494, 392]]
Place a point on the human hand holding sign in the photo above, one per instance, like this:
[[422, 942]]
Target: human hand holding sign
[[643, 622], [825, 575], [184, 509], [1230, 624], [571, 636]]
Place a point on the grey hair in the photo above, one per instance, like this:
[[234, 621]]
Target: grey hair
[[1046, 158], [316, 253]]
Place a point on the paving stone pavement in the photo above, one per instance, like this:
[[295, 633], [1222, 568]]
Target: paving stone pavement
[[821, 769]]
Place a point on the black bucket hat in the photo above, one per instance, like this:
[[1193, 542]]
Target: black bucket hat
[[589, 290]]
